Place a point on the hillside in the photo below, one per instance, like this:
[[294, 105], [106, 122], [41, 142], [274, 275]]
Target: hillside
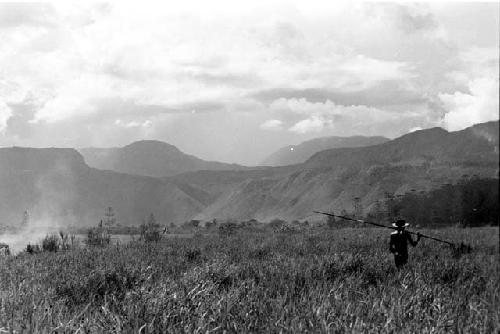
[[296, 154], [331, 179], [58, 188], [149, 158]]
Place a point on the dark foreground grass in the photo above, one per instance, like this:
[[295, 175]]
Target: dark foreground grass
[[320, 281]]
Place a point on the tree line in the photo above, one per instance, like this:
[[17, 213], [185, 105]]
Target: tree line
[[468, 203]]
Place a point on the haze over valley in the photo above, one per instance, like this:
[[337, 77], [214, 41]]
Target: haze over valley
[[62, 187]]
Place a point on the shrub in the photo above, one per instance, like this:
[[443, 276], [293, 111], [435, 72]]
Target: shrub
[[4, 249], [277, 223], [228, 228], [50, 243], [32, 249], [150, 231], [97, 236]]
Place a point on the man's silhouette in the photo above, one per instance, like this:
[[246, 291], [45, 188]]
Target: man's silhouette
[[399, 243]]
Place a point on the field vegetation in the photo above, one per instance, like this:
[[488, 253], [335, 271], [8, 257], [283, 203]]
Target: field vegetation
[[240, 280]]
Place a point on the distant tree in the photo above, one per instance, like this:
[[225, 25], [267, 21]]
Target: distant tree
[[191, 224], [227, 228], [470, 202], [109, 218], [211, 224], [98, 236], [277, 223], [150, 230], [4, 249], [32, 249]]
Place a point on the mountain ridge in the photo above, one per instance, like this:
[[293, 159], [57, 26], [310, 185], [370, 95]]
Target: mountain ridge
[[330, 179], [150, 158], [57, 185], [294, 154]]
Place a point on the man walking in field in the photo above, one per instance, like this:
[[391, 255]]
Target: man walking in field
[[399, 243]]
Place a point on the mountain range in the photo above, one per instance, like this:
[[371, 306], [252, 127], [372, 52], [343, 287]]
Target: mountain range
[[149, 158], [331, 179], [296, 154], [59, 186]]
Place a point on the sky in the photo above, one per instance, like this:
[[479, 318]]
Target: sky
[[234, 81]]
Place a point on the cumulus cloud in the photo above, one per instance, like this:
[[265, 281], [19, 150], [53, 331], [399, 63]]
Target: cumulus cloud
[[195, 70], [313, 124], [325, 117], [134, 124], [272, 124], [302, 106], [466, 109], [477, 101], [5, 114], [383, 93]]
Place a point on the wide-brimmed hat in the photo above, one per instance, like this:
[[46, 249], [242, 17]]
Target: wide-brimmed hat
[[400, 223]]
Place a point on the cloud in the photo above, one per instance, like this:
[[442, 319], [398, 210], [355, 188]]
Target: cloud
[[134, 124], [5, 114], [313, 124], [411, 18], [272, 124], [26, 14], [466, 109], [325, 117], [303, 106], [195, 70], [477, 100], [383, 93]]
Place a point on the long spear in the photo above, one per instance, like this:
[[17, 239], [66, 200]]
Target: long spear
[[390, 227]]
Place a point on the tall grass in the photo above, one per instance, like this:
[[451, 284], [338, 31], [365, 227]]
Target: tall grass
[[320, 281]]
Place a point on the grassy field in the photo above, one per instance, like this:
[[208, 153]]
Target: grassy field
[[326, 281]]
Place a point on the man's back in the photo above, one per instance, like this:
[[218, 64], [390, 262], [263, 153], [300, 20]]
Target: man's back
[[399, 243]]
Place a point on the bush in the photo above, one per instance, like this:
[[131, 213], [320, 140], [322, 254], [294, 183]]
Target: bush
[[50, 243], [228, 228], [150, 231], [277, 224], [4, 249], [97, 236], [32, 249]]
